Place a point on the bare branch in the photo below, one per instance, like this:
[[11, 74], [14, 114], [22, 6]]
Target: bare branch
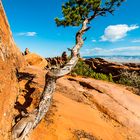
[[93, 16]]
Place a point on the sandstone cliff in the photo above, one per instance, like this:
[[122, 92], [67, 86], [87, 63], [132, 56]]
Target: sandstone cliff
[[11, 61]]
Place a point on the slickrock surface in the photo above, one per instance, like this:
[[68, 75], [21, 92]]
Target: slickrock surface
[[82, 108]]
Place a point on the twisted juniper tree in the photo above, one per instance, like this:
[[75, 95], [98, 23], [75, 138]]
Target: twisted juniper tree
[[75, 13]]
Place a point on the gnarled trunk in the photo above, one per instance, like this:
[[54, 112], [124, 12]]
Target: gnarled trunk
[[31, 120]]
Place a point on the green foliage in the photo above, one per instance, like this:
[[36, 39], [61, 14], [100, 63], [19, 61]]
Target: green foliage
[[126, 78], [130, 79], [76, 11], [110, 77], [85, 70]]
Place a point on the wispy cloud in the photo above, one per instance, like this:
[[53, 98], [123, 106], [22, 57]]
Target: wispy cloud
[[114, 33], [29, 34], [136, 41], [94, 40], [132, 50]]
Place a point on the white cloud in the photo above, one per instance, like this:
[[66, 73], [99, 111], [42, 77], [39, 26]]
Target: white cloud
[[132, 50], [93, 40], [31, 34], [136, 41], [116, 32]]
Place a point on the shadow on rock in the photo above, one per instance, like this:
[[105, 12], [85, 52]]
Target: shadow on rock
[[22, 108]]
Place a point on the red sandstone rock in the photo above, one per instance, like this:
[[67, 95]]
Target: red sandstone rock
[[36, 60], [11, 60]]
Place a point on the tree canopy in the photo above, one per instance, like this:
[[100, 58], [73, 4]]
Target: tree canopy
[[76, 11]]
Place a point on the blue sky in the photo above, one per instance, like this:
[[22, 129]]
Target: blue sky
[[33, 27]]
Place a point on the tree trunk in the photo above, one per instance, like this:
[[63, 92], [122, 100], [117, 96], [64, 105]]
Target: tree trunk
[[31, 120]]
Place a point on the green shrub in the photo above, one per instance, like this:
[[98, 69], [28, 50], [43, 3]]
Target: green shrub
[[130, 79], [110, 77], [85, 70]]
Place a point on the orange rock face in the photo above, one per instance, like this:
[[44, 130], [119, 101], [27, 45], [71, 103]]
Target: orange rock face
[[36, 60], [10, 61]]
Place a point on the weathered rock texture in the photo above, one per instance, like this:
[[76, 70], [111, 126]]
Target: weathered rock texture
[[36, 60], [82, 108], [11, 61]]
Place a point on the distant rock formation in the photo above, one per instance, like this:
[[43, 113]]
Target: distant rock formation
[[26, 51], [102, 66], [58, 61], [64, 56]]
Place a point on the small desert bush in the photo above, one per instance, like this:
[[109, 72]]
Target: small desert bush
[[81, 134], [130, 79], [85, 70]]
